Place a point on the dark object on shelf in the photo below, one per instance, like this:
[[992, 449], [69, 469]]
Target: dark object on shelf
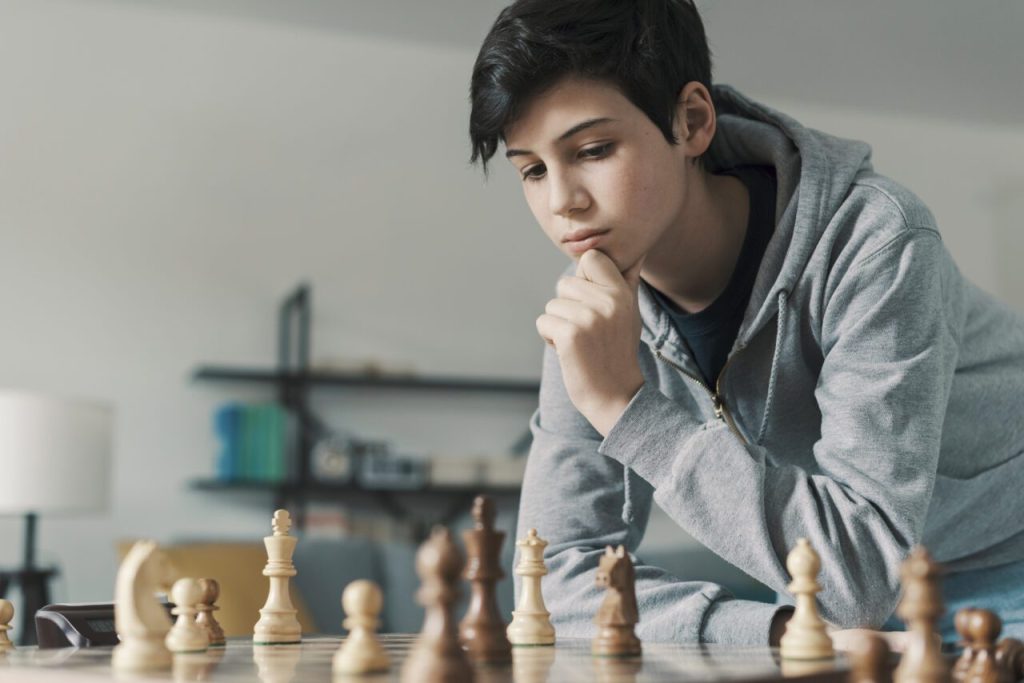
[[383, 470], [333, 460]]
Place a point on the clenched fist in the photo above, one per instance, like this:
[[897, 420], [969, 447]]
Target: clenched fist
[[594, 326]]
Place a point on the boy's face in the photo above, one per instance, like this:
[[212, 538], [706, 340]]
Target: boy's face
[[596, 172]]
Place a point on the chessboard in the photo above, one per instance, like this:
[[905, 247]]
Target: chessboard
[[568, 661]]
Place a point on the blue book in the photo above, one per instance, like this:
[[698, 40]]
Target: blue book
[[226, 421]]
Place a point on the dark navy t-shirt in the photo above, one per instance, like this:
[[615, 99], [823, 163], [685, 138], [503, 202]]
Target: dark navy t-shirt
[[710, 333]]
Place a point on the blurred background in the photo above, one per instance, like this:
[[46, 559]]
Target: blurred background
[[172, 173]]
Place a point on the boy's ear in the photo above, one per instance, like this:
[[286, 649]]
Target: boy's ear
[[695, 120]]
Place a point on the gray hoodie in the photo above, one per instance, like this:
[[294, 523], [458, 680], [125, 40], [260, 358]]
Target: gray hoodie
[[873, 400]]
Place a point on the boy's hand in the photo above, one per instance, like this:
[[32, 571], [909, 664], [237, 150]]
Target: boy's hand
[[594, 326]]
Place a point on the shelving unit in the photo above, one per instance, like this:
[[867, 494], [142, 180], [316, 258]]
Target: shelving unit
[[293, 380], [338, 379]]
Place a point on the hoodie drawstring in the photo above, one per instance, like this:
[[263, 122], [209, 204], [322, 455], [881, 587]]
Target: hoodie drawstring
[[779, 332], [627, 503]]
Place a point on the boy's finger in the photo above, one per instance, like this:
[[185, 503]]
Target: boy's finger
[[595, 266]]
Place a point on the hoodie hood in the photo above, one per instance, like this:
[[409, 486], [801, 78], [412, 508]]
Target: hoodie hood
[[814, 171]]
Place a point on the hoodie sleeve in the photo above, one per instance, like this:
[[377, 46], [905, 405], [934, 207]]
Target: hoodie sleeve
[[889, 357], [575, 498]]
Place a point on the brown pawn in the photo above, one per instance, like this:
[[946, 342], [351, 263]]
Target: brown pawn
[[870, 660], [920, 608], [205, 619], [618, 613], [482, 630], [437, 656], [983, 628], [962, 621], [1010, 657]]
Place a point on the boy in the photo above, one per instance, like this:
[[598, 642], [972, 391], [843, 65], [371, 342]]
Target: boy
[[760, 333]]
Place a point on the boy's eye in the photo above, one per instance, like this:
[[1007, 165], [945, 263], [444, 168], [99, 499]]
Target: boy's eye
[[596, 152], [533, 172]]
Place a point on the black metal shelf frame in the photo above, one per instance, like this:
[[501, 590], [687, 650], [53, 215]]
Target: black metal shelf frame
[[293, 380]]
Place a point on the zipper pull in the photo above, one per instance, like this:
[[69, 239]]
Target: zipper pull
[[719, 406]]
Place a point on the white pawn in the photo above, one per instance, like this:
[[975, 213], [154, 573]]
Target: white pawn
[[278, 624], [806, 636], [186, 635], [531, 623], [361, 652], [6, 615]]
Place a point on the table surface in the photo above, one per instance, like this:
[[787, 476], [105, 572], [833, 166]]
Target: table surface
[[310, 662]]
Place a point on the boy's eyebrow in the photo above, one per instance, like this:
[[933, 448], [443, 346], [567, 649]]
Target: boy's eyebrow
[[582, 125]]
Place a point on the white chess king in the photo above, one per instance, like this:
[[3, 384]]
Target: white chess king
[[531, 623], [278, 624]]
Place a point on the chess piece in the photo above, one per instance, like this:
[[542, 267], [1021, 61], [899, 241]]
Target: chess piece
[[139, 618], [618, 613], [920, 608], [278, 624], [6, 615], [437, 655], [361, 652], [206, 607], [1010, 658], [961, 621], [806, 636], [869, 657], [186, 635], [482, 630], [982, 629], [531, 623]]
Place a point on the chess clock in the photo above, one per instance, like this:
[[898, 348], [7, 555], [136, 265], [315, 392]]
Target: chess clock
[[78, 625]]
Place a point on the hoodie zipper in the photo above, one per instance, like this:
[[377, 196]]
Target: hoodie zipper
[[717, 401]]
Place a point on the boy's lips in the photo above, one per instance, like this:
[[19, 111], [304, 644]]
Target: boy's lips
[[581, 241]]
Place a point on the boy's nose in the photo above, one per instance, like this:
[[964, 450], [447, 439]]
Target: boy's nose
[[567, 197]]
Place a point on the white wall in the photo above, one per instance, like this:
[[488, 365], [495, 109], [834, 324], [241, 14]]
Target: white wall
[[166, 177]]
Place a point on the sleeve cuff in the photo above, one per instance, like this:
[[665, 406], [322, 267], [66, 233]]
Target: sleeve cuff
[[649, 434], [739, 622]]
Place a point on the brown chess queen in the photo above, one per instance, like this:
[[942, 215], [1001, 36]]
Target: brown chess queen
[[482, 630], [618, 613]]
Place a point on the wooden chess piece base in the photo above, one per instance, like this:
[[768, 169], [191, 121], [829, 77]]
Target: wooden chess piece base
[[806, 642], [531, 629], [360, 654], [486, 642], [616, 641], [277, 627], [141, 654], [426, 662]]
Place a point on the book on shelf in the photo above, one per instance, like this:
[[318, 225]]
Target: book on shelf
[[253, 442]]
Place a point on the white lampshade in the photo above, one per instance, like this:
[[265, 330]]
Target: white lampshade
[[55, 454]]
